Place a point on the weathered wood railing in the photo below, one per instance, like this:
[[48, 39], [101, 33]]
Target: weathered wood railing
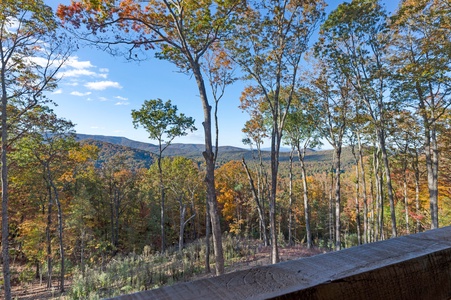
[[410, 267]]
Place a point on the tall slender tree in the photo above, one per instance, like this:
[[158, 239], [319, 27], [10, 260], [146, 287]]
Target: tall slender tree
[[301, 134], [256, 132], [333, 97], [31, 52], [184, 186], [354, 40], [181, 32], [164, 125], [422, 65], [269, 47], [48, 142]]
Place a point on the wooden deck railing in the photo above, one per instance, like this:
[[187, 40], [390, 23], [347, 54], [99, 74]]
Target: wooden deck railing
[[410, 267]]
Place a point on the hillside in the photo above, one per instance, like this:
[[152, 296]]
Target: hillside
[[176, 149], [144, 153], [136, 158]]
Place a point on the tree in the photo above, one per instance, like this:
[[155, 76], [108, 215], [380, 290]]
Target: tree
[[258, 201], [49, 141], [256, 132], [269, 47], [354, 40], [183, 182], [233, 195], [163, 124], [301, 134], [333, 97], [31, 52], [80, 219], [422, 66], [180, 32], [218, 68], [119, 186]]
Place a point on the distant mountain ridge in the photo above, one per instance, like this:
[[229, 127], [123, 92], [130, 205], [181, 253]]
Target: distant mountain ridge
[[176, 149], [135, 158], [143, 154]]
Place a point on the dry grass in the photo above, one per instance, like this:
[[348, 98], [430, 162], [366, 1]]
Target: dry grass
[[35, 290]]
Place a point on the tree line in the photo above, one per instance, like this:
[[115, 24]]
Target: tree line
[[374, 84]]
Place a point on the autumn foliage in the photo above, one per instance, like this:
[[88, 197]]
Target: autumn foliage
[[374, 87]]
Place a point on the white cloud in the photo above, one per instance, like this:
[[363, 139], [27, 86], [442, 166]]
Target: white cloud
[[122, 103], [121, 98], [102, 85], [78, 73], [57, 92], [97, 127], [76, 68], [73, 62], [79, 94], [12, 24], [73, 83], [36, 60], [103, 99]]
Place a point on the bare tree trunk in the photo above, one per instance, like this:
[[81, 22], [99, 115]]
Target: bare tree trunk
[[331, 208], [433, 180], [162, 196], [417, 191], [375, 194], [210, 171], [49, 239], [5, 223], [207, 237], [60, 234], [372, 222], [337, 198], [431, 150], [260, 210], [406, 199], [379, 196], [272, 200], [290, 192], [162, 208], [182, 224], [357, 195], [381, 136], [215, 221], [263, 194], [432, 173], [364, 193], [381, 208], [194, 212], [162, 200], [308, 230]]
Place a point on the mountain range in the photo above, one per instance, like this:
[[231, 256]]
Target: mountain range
[[175, 149], [143, 154]]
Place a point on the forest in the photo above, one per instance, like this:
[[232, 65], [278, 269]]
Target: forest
[[88, 221]]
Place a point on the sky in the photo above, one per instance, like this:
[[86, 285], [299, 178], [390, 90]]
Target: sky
[[97, 93]]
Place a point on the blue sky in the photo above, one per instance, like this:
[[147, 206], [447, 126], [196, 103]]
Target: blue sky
[[98, 92]]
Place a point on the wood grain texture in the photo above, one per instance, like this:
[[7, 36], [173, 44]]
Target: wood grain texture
[[409, 267]]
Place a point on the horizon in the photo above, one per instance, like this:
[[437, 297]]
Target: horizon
[[282, 149]]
